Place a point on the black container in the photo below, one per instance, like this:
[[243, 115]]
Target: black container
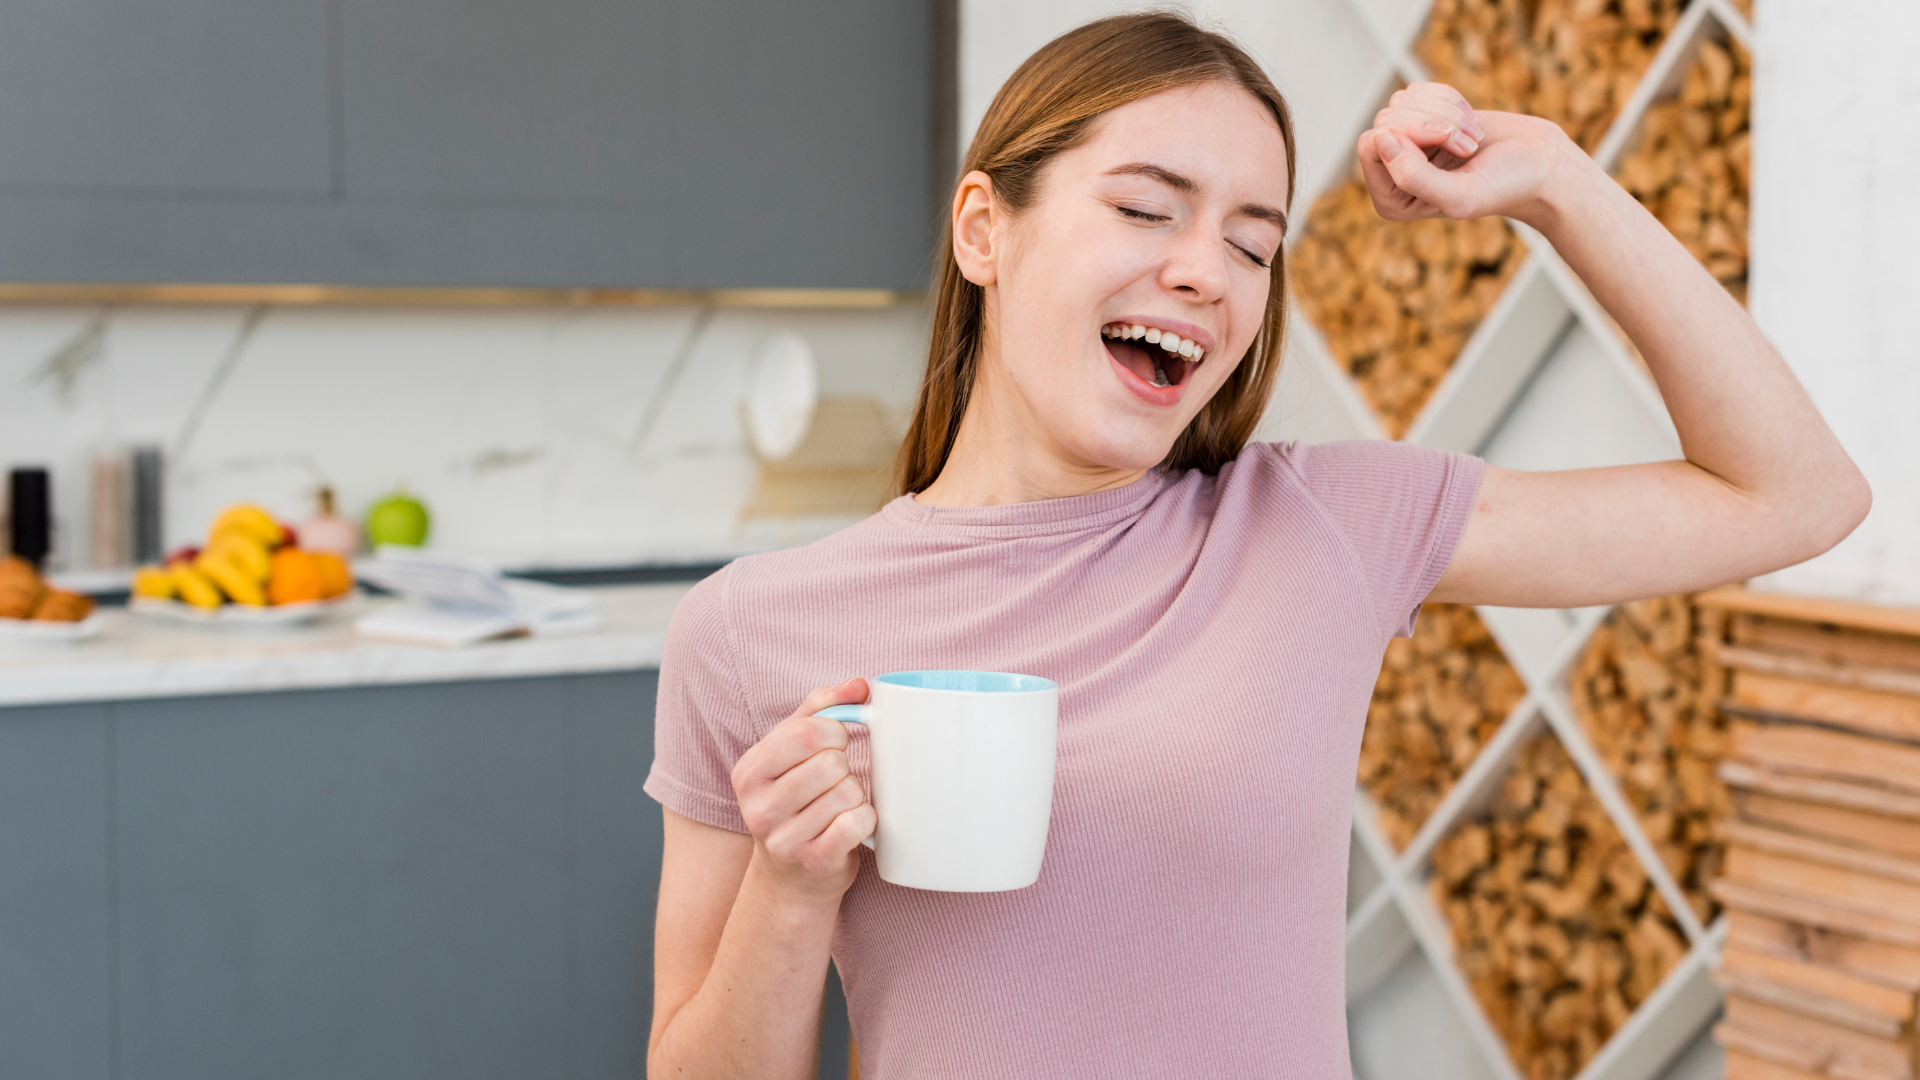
[[147, 517], [30, 514]]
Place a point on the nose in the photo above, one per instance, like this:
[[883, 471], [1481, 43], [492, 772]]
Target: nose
[[1196, 266]]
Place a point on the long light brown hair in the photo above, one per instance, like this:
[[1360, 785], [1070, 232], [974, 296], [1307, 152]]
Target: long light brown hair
[[1049, 107]]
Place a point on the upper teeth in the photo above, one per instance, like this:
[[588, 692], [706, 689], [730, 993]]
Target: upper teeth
[[1167, 340]]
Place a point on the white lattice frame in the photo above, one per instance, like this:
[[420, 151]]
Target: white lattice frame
[[1392, 912]]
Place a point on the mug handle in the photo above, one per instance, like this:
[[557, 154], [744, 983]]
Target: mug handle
[[850, 714]]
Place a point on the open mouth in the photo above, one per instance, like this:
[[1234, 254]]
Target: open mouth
[[1158, 357]]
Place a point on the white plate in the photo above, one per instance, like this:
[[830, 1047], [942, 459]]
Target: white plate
[[23, 632], [241, 616]]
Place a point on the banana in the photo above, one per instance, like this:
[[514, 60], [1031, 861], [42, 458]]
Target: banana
[[234, 579], [195, 587], [251, 554], [153, 581], [248, 520]]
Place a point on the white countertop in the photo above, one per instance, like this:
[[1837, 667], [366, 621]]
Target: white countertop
[[136, 657]]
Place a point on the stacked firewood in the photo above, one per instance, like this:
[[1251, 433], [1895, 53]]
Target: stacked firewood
[[1692, 166], [1643, 694], [1556, 926], [1822, 884], [1441, 695], [1574, 62], [1396, 302]]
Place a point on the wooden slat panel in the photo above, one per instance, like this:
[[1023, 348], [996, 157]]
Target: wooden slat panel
[[1812, 849], [1815, 1045], [1895, 966], [1868, 1005], [1818, 669], [1830, 642], [1844, 613], [1850, 889], [1743, 1066], [1741, 775], [1811, 751], [1895, 715], [1889, 834], [1758, 898]]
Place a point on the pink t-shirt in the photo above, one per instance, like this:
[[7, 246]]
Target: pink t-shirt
[[1216, 640]]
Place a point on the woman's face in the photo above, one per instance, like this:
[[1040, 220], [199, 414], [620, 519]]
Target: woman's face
[[1162, 225]]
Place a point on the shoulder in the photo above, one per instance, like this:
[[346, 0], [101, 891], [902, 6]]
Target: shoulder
[[1364, 480], [1398, 509], [753, 583], [1320, 465]]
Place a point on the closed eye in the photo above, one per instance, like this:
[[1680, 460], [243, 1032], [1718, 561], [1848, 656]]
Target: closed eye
[[1142, 215]]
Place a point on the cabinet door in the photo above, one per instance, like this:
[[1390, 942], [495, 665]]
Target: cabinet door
[[364, 883], [614, 856], [56, 956], [190, 99], [802, 143], [673, 143]]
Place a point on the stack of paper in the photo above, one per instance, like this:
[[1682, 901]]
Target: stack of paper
[[454, 600]]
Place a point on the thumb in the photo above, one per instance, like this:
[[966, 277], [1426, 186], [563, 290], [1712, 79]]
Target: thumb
[[1449, 192]]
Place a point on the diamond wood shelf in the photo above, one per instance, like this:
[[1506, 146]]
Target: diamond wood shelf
[[1544, 381]]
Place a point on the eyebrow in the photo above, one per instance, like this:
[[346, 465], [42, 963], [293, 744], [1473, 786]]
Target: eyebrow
[[1187, 187]]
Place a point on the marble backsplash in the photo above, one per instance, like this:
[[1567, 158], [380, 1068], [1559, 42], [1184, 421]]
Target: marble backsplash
[[597, 436]]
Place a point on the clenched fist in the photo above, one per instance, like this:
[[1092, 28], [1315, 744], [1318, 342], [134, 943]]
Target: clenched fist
[[1429, 154]]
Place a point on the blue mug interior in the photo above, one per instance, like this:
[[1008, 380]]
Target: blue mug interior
[[984, 681]]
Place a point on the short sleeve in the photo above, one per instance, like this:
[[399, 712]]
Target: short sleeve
[[701, 724], [1401, 509]]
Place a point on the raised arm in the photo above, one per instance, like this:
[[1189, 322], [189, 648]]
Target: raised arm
[[1764, 483]]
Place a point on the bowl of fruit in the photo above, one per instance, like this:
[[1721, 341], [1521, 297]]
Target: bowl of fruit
[[33, 612], [251, 572]]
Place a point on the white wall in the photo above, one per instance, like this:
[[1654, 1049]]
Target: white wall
[[1836, 258], [521, 429]]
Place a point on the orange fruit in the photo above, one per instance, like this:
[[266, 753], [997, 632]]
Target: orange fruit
[[294, 577], [335, 578]]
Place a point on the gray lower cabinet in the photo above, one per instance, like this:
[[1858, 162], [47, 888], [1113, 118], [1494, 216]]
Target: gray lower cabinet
[[449, 880], [56, 913]]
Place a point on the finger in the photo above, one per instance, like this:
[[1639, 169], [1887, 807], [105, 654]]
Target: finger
[[784, 796], [1388, 200], [851, 692], [799, 736], [1452, 193], [848, 829], [794, 740], [813, 819], [1428, 130], [1454, 98]]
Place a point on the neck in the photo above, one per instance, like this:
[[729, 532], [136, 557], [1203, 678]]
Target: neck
[[1004, 455]]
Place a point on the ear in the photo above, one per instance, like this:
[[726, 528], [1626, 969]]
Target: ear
[[973, 219]]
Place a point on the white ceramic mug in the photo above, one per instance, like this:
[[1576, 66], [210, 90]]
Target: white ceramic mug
[[962, 776]]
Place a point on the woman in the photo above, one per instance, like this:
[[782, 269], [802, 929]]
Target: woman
[[1080, 502]]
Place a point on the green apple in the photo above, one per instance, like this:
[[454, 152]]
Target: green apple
[[398, 519]]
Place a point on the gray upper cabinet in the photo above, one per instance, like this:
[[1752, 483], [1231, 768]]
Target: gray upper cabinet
[[676, 143], [547, 104], [189, 99], [814, 169]]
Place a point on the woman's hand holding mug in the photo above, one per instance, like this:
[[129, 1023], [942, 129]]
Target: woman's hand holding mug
[[807, 812], [1429, 154]]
